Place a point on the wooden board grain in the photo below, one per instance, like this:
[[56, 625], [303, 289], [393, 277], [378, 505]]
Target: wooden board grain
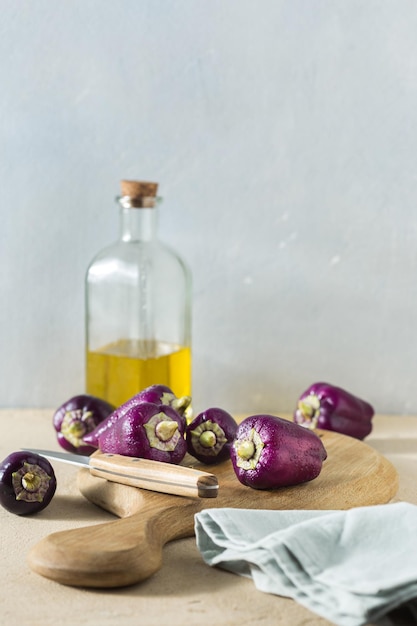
[[129, 550]]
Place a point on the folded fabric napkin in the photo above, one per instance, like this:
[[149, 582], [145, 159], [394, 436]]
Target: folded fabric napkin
[[350, 567]]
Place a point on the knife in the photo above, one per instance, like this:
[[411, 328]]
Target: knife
[[135, 472]]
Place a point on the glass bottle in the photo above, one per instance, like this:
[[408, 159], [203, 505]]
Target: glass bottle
[[138, 307]]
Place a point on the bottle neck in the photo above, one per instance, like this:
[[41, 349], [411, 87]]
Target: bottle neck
[[138, 224]]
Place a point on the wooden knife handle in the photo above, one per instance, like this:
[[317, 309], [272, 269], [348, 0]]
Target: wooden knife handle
[[154, 475]]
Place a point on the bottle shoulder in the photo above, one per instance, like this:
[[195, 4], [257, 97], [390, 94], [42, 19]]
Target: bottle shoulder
[[130, 249], [119, 255]]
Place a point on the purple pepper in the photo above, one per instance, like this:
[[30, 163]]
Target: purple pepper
[[76, 418], [156, 394], [271, 452], [27, 483], [210, 435], [331, 408], [148, 431]]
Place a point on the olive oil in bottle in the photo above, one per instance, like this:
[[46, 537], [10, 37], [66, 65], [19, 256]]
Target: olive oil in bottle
[[138, 307]]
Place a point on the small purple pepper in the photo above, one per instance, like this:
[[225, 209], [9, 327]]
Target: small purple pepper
[[271, 452], [76, 418], [331, 408], [156, 394], [210, 435], [147, 431], [27, 483]]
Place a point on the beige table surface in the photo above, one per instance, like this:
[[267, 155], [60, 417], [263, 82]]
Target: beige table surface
[[185, 591]]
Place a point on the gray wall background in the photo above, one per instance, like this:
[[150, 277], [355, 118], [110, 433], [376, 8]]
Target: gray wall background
[[284, 137]]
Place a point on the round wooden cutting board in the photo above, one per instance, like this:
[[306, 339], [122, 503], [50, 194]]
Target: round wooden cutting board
[[129, 550]]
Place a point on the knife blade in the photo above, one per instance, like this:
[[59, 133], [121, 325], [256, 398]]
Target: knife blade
[[146, 474]]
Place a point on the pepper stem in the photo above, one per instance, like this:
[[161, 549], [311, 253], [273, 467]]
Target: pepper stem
[[162, 432], [309, 406], [77, 429], [31, 481], [249, 450], [75, 425], [165, 429], [245, 449], [208, 439], [309, 411], [181, 403]]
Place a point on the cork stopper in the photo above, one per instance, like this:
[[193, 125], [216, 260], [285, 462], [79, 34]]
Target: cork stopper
[[139, 193]]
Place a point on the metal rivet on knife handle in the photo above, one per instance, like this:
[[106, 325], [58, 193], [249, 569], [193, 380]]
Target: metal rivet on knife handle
[[208, 486]]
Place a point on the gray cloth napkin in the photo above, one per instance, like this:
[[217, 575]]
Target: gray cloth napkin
[[350, 567]]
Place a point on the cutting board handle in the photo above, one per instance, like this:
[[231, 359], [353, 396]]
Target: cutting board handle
[[114, 554]]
